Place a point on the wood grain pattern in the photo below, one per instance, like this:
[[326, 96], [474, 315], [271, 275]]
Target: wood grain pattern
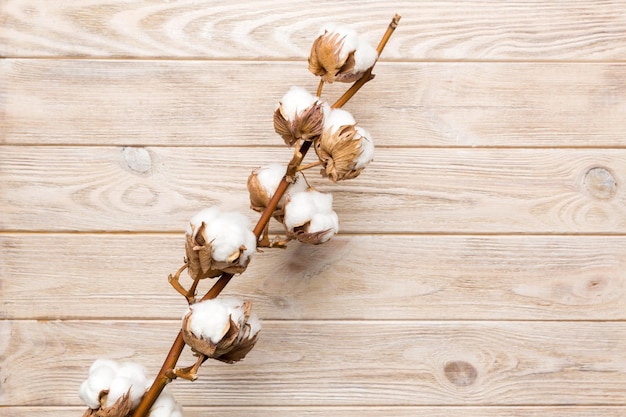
[[340, 363], [395, 411], [480, 268], [493, 30], [86, 102], [358, 277], [419, 190]]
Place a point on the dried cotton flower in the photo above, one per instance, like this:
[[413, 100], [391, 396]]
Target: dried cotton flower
[[263, 182], [340, 54], [218, 242], [221, 328], [344, 148], [299, 116], [309, 217]]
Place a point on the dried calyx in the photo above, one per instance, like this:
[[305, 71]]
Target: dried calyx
[[218, 242], [222, 329]]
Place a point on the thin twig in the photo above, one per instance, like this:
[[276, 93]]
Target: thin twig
[[177, 347]]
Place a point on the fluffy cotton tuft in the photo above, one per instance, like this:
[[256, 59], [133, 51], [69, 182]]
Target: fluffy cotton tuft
[[226, 232], [367, 148], [365, 56], [117, 379], [209, 320], [337, 118], [314, 208], [295, 101], [270, 176], [166, 406], [221, 328]]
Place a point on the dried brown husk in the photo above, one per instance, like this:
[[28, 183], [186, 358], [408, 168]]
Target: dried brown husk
[[325, 59], [200, 262], [302, 234], [307, 125], [122, 407], [338, 152], [234, 345]]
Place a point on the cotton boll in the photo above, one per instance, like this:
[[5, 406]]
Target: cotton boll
[[209, 320], [295, 101], [103, 363], [365, 56], [322, 222], [270, 176], [100, 379], [227, 233], [349, 37], [137, 375], [90, 397], [207, 215], [235, 308], [323, 202], [119, 387], [101, 373], [337, 118], [367, 149], [299, 209]]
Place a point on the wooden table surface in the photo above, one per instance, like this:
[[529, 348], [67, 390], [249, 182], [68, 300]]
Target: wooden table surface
[[481, 264]]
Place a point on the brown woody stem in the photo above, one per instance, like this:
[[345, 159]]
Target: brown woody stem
[[172, 357], [320, 87]]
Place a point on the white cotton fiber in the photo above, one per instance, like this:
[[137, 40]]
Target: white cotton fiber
[[209, 320], [365, 56], [367, 148], [101, 373], [227, 233], [299, 209], [326, 221], [295, 101], [166, 406], [314, 207], [349, 36], [207, 216], [271, 175], [108, 375], [337, 118]]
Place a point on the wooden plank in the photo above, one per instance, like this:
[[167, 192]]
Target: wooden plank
[[308, 411], [351, 363], [358, 277], [492, 30], [404, 191], [231, 103]]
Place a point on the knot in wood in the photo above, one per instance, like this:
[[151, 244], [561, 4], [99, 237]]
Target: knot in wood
[[600, 183], [137, 159], [460, 373]]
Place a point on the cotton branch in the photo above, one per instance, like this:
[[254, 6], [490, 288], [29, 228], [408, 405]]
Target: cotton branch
[[169, 366]]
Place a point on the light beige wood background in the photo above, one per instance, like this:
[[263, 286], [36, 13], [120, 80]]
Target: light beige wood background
[[481, 268]]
